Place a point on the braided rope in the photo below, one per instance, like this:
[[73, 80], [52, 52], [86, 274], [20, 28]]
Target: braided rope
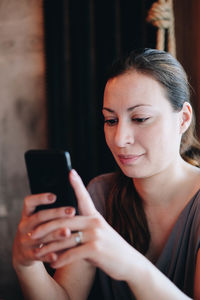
[[161, 15]]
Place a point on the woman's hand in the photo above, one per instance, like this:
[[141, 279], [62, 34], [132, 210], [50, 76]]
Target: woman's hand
[[59, 237], [91, 238], [25, 247]]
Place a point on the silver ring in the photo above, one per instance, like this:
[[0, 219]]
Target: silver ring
[[79, 238]]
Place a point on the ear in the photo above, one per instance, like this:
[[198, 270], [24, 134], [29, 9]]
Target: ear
[[185, 117]]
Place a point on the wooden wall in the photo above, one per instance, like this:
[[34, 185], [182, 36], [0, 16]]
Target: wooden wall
[[22, 117], [187, 16]]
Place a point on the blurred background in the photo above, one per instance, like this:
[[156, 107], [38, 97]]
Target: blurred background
[[53, 59]]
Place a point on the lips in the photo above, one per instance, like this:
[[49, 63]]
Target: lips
[[128, 159]]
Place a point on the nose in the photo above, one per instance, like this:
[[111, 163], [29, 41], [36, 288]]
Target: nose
[[124, 135]]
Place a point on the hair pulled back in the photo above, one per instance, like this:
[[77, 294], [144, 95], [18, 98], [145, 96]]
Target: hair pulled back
[[124, 214], [166, 70]]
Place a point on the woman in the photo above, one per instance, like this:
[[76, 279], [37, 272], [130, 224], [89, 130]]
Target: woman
[[141, 238]]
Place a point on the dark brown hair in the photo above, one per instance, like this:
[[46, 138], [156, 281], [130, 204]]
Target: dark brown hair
[[124, 207]]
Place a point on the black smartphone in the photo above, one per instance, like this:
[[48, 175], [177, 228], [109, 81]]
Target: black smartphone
[[48, 172]]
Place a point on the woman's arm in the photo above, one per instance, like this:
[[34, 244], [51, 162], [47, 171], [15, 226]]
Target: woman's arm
[[36, 283], [69, 283], [148, 283], [77, 279]]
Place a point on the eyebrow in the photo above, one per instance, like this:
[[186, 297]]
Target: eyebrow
[[128, 109]]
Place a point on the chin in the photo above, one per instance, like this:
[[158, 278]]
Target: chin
[[133, 173]]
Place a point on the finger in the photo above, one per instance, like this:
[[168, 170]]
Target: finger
[[85, 204], [64, 244], [49, 258], [72, 255], [28, 224], [47, 215], [74, 224], [32, 201], [57, 235]]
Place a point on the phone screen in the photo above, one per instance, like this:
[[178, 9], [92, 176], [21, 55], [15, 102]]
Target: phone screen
[[48, 172]]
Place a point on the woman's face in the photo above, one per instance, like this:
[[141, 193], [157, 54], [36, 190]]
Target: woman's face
[[141, 128]]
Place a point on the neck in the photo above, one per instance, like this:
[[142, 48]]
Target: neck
[[159, 189]]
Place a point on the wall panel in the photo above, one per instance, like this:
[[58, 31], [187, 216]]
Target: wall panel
[[22, 118]]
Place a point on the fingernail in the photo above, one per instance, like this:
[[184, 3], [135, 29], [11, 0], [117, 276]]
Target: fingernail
[[66, 232], [69, 210], [74, 174], [51, 197], [53, 257]]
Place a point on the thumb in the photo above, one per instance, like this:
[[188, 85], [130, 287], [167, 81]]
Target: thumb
[[85, 203]]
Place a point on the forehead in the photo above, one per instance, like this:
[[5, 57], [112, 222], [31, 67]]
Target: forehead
[[133, 88]]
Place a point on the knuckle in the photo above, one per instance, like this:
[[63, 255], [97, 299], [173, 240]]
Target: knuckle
[[98, 221], [96, 232], [95, 246], [39, 216]]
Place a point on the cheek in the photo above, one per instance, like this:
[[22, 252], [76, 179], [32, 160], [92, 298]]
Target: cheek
[[164, 139]]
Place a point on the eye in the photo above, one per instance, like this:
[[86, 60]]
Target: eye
[[110, 122], [140, 120]]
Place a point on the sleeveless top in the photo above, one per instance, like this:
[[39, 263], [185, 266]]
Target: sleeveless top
[[177, 260]]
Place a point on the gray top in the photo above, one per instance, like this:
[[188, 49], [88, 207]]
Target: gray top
[[178, 258]]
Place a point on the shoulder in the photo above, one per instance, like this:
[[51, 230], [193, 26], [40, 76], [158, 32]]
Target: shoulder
[[194, 220], [195, 232], [196, 211], [99, 188], [195, 207]]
